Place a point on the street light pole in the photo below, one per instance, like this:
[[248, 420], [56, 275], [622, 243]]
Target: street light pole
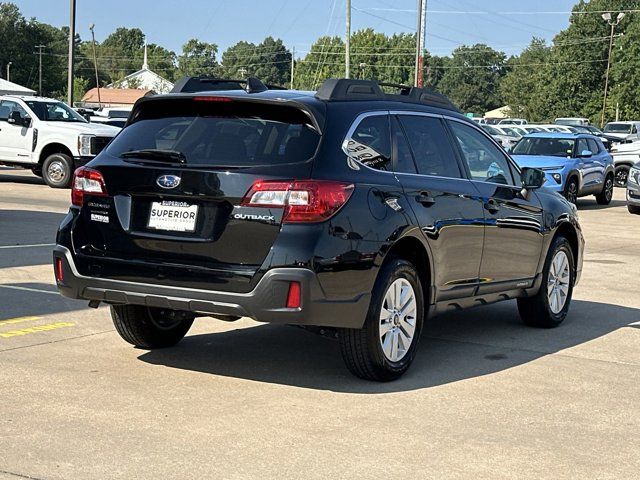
[[95, 62], [40, 47], [613, 23], [422, 14], [9, 71], [72, 49], [347, 43]]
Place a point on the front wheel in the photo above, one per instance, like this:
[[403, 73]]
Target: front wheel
[[571, 190], [605, 196], [57, 170], [150, 328], [622, 174], [385, 347], [549, 307]]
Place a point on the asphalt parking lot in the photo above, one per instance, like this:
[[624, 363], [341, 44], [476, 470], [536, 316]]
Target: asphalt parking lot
[[486, 398]]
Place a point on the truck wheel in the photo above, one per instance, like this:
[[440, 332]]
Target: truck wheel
[[622, 173], [549, 307], [386, 345], [150, 328], [605, 196], [571, 190], [57, 170]]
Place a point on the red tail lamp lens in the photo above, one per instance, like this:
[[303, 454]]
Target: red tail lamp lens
[[293, 297], [59, 270], [87, 180]]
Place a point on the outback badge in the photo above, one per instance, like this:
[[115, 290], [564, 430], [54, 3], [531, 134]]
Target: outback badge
[[168, 181]]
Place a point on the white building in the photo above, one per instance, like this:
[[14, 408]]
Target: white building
[[144, 79], [10, 88]]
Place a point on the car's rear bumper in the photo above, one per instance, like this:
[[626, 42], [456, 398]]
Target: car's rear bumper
[[265, 303]]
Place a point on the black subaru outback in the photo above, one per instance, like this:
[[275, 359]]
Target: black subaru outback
[[349, 209]]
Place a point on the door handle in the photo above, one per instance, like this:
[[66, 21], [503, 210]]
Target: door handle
[[425, 199], [491, 206]]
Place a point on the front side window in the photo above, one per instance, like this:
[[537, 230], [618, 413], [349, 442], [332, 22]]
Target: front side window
[[582, 146], [7, 106], [485, 160], [593, 146], [430, 146], [370, 143]]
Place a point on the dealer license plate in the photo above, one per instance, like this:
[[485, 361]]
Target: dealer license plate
[[173, 216]]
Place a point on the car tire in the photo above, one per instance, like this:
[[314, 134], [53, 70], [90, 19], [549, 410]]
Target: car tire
[[571, 190], [549, 307], [622, 174], [37, 171], [150, 328], [606, 195], [633, 209], [379, 350], [57, 170]]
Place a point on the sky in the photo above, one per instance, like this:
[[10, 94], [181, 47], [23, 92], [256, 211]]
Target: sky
[[505, 25]]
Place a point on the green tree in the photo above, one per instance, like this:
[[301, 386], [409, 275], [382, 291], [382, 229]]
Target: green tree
[[269, 60], [198, 58], [472, 78]]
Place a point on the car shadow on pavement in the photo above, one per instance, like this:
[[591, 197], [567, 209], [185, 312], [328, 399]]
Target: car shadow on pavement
[[593, 205], [30, 299], [453, 347], [9, 176]]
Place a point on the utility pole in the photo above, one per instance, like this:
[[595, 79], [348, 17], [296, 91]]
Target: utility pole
[[613, 23], [293, 59], [40, 47], [347, 43], [9, 71], [95, 62], [72, 48], [422, 16]]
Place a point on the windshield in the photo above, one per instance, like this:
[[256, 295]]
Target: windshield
[[230, 141], [510, 131], [490, 130], [553, 147], [54, 112], [617, 128]]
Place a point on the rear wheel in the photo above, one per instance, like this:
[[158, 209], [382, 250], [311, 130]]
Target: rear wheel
[[150, 328], [57, 170], [549, 307], [386, 345], [571, 190], [622, 174], [605, 196]]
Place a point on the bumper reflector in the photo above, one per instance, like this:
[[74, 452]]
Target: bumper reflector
[[293, 297], [59, 271]]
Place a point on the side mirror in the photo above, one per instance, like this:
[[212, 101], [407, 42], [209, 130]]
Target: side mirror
[[15, 118], [532, 178], [585, 154]]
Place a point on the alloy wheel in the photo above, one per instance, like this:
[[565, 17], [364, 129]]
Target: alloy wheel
[[572, 192], [56, 171], [621, 177], [398, 320], [558, 282], [608, 189]]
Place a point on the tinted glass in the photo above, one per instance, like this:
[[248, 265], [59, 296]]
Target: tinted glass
[[593, 145], [220, 141], [370, 143], [403, 159], [486, 161], [430, 146], [55, 112], [552, 147], [617, 128], [582, 146], [7, 106]]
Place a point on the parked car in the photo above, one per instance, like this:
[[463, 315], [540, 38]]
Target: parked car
[[575, 165], [625, 155], [512, 121], [633, 189], [110, 115], [48, 137], [508, 130], [346, 208], [527, 129], [552, 127], [572, 121], [625, 131], [507, 141]]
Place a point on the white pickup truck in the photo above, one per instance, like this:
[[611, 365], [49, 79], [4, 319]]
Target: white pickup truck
[[48, 137]]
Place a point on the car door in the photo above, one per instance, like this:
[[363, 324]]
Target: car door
[[513, 224], [445, 203], [15, 140], [600, 160], [586, 165]]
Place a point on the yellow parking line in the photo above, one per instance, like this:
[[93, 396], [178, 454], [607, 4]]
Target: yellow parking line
[[18, 320], [37, 329]]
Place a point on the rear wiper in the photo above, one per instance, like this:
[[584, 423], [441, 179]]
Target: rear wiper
[[156, 154]]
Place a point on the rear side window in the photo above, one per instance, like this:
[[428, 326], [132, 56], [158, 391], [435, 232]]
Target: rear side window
[[215, 136], [430, 146], [370, 142]]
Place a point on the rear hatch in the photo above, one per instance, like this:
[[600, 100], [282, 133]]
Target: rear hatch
[[175, 179]]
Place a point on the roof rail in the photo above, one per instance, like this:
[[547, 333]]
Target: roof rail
[[343, 89], [205, 83]]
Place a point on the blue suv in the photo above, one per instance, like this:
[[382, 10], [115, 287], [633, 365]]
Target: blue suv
[[575, 165]]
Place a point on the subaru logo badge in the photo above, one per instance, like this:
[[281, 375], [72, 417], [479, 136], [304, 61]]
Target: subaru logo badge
[[168, 181]]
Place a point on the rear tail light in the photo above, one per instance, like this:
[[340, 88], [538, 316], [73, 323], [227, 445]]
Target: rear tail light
[[59, 271], [303, 200], [87, 180], [293, 297]]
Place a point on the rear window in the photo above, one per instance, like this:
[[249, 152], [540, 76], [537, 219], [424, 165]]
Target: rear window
[[214, 135]]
